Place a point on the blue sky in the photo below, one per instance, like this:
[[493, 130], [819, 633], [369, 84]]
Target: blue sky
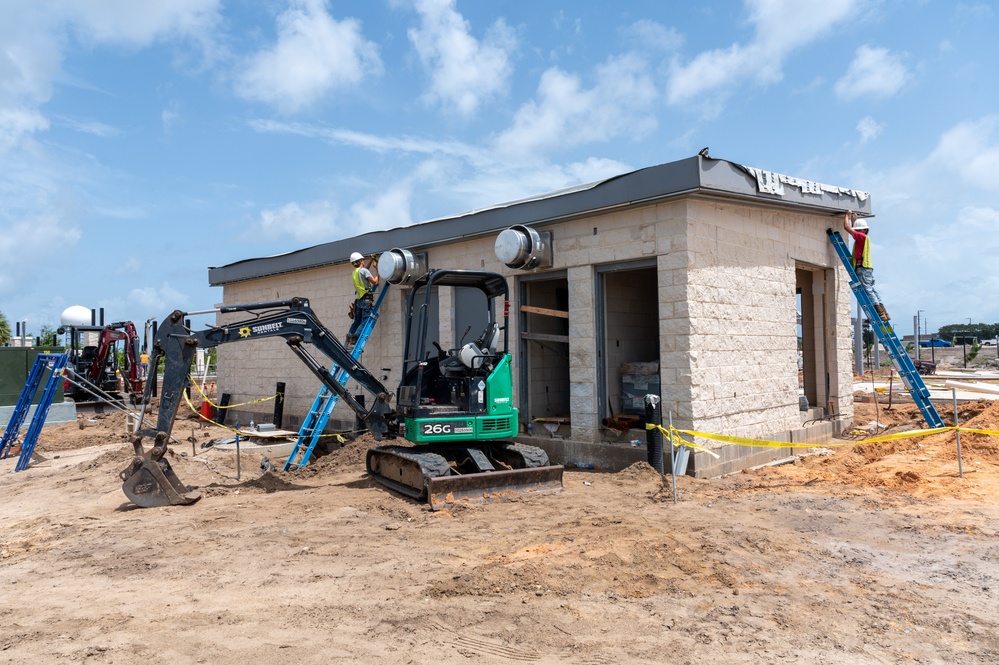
[[141, 143]]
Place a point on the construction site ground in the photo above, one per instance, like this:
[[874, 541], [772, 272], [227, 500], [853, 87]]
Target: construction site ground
[[876, 553]]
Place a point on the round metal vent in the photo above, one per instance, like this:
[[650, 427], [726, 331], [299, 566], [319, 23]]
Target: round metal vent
[[400, 266], [520, 247]]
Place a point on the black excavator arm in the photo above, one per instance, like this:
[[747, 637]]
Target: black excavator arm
[[149, 480]]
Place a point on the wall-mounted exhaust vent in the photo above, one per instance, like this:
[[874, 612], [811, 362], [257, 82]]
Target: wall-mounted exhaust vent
[[401, 266], [523, 248]]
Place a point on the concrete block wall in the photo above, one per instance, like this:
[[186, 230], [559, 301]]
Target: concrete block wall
[[741, 300], [250, 370]]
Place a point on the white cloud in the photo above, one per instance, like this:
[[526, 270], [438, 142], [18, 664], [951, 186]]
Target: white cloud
[[938, 212], [869, 129], [149, 299], [314, 55], [464, 71], [35, 34], [564, 114], [971, 150], [138, 23], [874, 72], [322, 221], [31, 242], [652, 35], [308, 223], [15, 123], [387, 210], [781, 26]]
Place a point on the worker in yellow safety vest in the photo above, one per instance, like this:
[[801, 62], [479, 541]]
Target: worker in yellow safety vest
[[861, 262], [365, 280]]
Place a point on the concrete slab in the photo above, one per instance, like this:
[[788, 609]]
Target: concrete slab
[[274, 447], [59, 412]]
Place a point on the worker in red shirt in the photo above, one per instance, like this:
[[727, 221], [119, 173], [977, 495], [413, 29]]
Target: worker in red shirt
[[862, 259]]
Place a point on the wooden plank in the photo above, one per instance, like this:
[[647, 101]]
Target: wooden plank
[[544, 311], [542, 337]]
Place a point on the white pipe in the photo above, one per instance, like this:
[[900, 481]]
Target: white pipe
[[973, 387]]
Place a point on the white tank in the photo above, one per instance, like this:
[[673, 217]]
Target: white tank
[[77, 315]]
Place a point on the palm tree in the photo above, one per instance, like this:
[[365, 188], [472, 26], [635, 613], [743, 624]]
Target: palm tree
[[4, 329]]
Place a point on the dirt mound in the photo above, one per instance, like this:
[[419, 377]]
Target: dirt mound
[[920, 466], [350, 457]]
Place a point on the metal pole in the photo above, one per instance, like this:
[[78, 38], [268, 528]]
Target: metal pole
[[672, 457], [957, 434], [915, 322], [654, 436], [858, 343], [279, 405], [237, 450]]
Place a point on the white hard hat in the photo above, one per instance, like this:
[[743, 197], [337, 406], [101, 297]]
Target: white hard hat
[[860, 225], [357, 256]]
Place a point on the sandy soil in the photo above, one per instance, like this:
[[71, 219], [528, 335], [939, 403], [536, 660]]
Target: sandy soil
[[866, 554]]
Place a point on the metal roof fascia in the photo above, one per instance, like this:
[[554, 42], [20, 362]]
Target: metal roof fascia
[[641, 185], [713, 177]]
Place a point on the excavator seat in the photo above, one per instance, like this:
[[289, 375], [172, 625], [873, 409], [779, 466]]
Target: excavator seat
[[478, 354]]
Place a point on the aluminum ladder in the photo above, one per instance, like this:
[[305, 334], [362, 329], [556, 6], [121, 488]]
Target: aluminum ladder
[[322, 407], [903, 364], [56, 362]]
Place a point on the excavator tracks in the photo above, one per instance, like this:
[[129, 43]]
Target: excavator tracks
[[444, 475]]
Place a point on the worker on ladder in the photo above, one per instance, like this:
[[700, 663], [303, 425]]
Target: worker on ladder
[[365, 282], [862, 259]]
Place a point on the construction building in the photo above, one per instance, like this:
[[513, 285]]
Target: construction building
[[707, 282]]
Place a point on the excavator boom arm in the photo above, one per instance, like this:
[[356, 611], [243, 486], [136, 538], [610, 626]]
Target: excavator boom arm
[[148, 480]]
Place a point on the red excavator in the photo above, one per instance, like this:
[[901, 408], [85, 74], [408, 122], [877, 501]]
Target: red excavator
[[93, 371]]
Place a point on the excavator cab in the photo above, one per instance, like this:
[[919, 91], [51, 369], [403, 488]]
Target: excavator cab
[[456, 404]]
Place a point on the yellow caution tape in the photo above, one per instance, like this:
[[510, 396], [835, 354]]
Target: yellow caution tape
[[989, 432], [764, 443], [680, 439], [229, 406], [187, 399]]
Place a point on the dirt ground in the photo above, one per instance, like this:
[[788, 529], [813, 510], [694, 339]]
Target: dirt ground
[[875, 553]]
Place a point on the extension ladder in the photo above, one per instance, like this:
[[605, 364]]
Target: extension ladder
[[43, 361], [322, 407], [906, 369]]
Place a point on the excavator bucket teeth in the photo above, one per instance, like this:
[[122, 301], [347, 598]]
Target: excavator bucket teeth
[[155, 484], [444, 491]]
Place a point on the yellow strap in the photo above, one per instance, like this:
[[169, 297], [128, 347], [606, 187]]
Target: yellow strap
[[229, 406], [681, 440], [238, 431], [764, 443]]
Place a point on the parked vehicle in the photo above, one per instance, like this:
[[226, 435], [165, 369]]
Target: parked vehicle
[[989, 342], [934, 341]]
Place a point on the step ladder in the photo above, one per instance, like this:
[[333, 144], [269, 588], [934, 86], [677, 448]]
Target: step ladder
[[322, 408], [903, 364], [44, 362]]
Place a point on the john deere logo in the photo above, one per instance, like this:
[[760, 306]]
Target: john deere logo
[[244, 331]]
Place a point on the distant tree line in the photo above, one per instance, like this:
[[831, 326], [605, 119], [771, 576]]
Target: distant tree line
[[979, 330]]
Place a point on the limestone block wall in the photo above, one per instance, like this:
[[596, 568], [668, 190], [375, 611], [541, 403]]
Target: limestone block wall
[[741, 304]]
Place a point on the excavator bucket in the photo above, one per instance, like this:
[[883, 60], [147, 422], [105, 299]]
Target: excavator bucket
[[444, 491], [154, 484]]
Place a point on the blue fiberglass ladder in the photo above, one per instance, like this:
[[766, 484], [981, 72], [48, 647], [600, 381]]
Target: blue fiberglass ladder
[[322, 408], [56, 362], [906, 369]]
